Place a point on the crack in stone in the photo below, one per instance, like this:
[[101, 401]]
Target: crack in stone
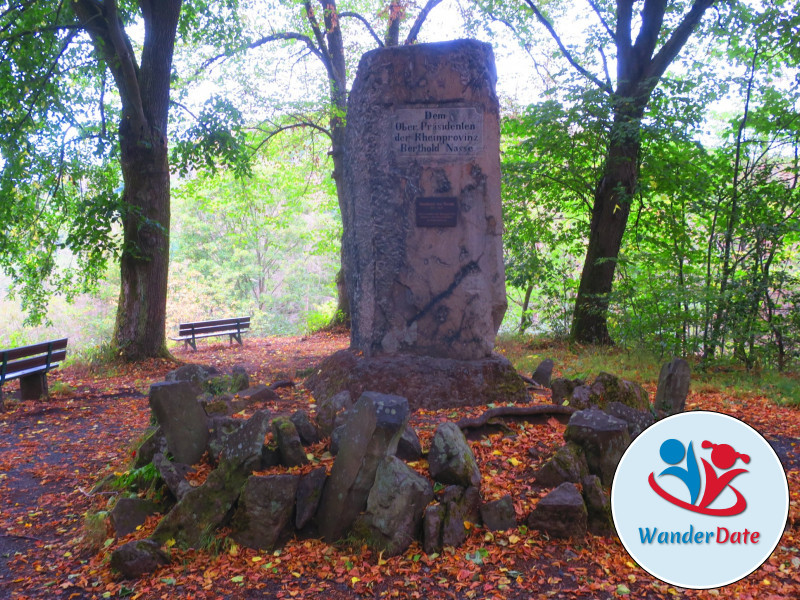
[[470, 268]]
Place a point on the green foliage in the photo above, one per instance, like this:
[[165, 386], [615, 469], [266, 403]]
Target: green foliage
[[136, 480], [265, 246], [95, 529]]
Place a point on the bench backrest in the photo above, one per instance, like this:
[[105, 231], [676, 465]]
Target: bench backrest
[[44, 356], [200, 327]]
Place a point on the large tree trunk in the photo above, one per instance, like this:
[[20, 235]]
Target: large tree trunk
[[144, 264], [337, 79], [640, 66], [612, 205], [144, 93]]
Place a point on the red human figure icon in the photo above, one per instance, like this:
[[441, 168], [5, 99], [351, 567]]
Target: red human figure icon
[[724, 457]]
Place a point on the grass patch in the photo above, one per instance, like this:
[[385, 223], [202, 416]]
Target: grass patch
[[585, 362], [93, 360], [574, 361]]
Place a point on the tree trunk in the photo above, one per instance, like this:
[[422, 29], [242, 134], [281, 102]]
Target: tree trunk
[[525, 320], [144, 264], [337, 78], [144, 94], [612, 205]]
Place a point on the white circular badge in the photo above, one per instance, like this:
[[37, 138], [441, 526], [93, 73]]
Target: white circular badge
[[700, 500]]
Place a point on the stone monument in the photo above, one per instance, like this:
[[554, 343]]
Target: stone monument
[[422, 244]]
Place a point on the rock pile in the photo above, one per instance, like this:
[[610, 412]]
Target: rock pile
[[612, 413], [371, 493]]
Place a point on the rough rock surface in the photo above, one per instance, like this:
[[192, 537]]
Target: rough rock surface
[[543, 373], [432, 528], [499, 515], [462, 505], [409, 448], [450, 458], [329, 407], [181, 418], [567, 464], [173, 474], [138, 558], [265, 510], [673, 386], [561, 513], [251, 395], [309, 493], [203, 509], [191, 372], [129, 513], [429, 383], [598, 506], [246, 441], [394, 507], [610, 388], [372, 431], [637, 420], [603, 438], [219, 429], [306, 429], [562, 388], [152, 443], [426, 290], [289, 445]]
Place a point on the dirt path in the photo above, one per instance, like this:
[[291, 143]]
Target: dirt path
[[54, 451]]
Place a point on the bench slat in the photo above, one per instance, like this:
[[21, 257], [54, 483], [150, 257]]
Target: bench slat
[[38, 369], [34, 349], [21, 367], [182, 338], [219, 329], [244, 321]]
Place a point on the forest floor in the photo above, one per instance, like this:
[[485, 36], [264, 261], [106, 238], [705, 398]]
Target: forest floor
[[52, 452]]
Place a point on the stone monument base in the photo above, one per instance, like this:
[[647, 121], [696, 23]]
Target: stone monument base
[[427, 382]]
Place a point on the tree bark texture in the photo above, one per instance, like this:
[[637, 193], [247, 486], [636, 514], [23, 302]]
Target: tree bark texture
[[139, 331]]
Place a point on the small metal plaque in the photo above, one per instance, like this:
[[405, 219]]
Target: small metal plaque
[[437, 212]]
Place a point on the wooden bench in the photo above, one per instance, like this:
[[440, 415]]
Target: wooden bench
[[30, 365], [189, 333]]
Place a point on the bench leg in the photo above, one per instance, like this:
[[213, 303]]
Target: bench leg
[[33, 387]]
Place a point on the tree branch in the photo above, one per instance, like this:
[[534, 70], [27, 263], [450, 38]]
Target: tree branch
[[411, 38], [47, 76], [102, 23], [274, 132], [320, 37], [355, 15], [596, 10], [260, 42], [566, 53], [677, 40], [537, 410], [652, 19]]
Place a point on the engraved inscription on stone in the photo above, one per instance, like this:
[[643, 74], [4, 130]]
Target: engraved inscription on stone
[[437, 212], [437, 132]]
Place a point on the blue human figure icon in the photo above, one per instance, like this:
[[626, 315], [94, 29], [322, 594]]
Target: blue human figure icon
[[672, 453]]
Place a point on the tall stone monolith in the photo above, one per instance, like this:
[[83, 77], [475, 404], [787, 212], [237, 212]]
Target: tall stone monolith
[[422, 216]]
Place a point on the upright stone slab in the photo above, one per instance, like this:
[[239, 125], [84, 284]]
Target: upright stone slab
[[181, 418], [423, 220], [372, 431], [673, 386]]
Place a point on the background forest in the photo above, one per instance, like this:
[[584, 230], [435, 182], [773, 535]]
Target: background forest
[[708, 265]]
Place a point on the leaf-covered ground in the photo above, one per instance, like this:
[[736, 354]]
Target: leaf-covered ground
[[52, 453]]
